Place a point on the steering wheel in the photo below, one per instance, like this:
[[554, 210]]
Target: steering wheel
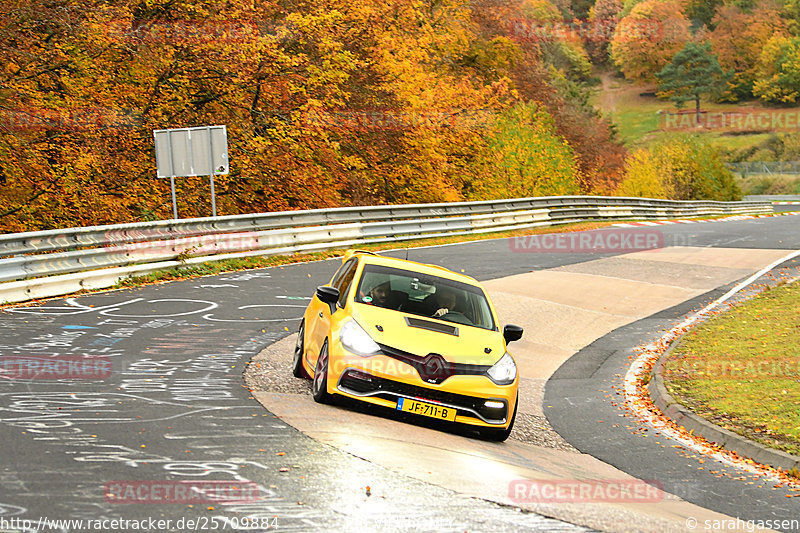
[[456, 316]]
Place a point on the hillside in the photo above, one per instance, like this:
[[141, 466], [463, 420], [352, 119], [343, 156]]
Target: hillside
[[326, 104], [329, 103], [642, 119]]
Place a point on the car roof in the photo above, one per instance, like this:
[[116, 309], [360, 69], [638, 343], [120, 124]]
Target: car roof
[[372, 258]]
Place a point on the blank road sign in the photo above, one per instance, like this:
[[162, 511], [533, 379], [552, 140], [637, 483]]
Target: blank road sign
[[199, 151]]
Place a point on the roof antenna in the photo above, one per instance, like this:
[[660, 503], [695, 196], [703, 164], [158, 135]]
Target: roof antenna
[[406, 253]]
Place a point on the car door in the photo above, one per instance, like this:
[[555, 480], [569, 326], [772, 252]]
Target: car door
[[319, 315]]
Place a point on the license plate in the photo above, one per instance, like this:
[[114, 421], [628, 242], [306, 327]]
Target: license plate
[[426, 409]]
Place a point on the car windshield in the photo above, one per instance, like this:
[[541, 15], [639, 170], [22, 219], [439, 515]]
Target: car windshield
[[424, 295]]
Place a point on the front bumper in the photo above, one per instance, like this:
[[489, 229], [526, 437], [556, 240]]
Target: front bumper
[[381, 380]]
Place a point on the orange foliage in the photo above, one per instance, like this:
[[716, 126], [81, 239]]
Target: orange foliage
[[648, 37], [327, 103], [738, 39]]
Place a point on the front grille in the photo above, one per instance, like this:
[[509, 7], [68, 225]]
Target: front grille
[[433, 368], [431, 395]]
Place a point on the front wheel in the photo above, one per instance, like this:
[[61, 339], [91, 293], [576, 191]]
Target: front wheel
[[319, 388], [298, 370], [500, 435]]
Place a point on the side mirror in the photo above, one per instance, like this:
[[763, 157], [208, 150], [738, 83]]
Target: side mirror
[[512, 333], [329, 295]]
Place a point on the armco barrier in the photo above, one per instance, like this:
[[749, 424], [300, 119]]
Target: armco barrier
[[773, 198], [56, 262]]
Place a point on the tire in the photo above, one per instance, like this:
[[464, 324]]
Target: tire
[[499, 435], [298, 370], [319, 387]]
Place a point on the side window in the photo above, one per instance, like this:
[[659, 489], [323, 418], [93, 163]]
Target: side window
[[343, 282], [337, 277]]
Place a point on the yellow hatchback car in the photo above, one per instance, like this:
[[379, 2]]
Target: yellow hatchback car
[[412, 337]]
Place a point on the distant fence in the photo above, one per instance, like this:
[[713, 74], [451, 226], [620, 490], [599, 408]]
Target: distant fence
[[765, 167], [51, 263]]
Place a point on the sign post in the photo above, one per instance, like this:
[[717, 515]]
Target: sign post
[[201, 151], [174, 202]]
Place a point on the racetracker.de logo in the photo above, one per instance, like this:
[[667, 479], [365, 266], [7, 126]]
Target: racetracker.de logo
[[188, 32], [577, 30], [740, 120], [601, 241], [54, 367], [734, 370], [384, 119], [584, 491], [191, 245], [183, 492], [33, 119]]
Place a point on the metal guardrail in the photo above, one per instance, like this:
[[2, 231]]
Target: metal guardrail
[[772, 198], [56, 262]]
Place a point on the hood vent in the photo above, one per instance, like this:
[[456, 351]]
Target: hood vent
[[432, 326]]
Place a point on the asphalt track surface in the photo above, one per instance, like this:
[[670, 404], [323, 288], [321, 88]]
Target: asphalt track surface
[[583, 402], [174, 408]]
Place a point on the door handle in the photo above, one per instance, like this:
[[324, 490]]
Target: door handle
[[320, 314]]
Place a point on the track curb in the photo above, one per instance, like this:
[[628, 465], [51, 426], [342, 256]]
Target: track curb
[[711, 432]]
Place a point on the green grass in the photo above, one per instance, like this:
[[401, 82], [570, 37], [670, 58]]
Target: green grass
[[738, 142], [638, 122], [769, 184], [741, 369]]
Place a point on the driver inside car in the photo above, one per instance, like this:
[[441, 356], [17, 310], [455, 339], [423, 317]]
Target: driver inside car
[[444, 302], [382, 296]]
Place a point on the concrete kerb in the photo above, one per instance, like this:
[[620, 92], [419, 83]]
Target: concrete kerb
[[711, 432]]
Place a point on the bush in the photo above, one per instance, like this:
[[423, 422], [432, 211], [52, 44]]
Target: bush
[[680, 168], [778, 77], [641, 177], [524, 156]]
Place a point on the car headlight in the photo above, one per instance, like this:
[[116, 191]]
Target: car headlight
[[504, 371], [358, 341]]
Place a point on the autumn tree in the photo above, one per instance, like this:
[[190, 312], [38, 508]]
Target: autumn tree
[[605, 10], [679, 168], [66, 119], [526, 157], [628, 5], [791, 12], [702, 11], [738, 39], [599, 154], [694, 71], [778, 71], [168, 65], [603, 19], [641, 177], [327, 103], [647, 39], [137, 68]]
